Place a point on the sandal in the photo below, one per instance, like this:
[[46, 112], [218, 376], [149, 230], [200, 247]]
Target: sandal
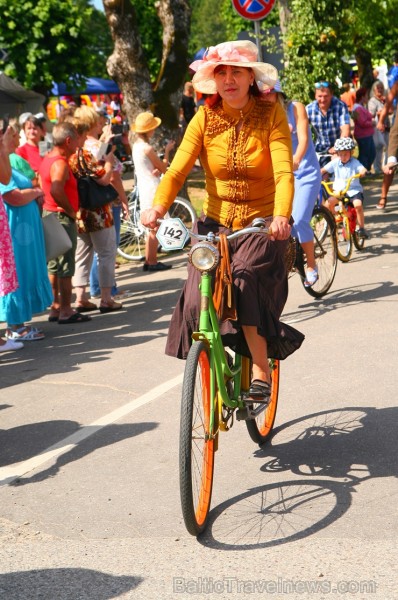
[[74, 318], [382, 204], [25, 334], [260, 391], [86, 307], [110, 307], [54, 315]]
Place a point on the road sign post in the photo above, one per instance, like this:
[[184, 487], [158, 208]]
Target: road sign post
[[254, 10]]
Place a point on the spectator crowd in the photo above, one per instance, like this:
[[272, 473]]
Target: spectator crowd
[[44, 166]]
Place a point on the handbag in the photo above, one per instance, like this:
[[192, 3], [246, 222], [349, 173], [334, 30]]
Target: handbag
[[223, 296], [92, 195], [56, 240]]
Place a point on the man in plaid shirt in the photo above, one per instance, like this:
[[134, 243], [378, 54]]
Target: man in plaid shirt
[[329, 118]]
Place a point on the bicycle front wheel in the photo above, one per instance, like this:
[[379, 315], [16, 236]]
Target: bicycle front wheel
[[325, 249], [197, 445], [343, 239], [260, 428]]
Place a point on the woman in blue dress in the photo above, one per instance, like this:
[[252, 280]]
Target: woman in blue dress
[[34, 293], [307, 177]]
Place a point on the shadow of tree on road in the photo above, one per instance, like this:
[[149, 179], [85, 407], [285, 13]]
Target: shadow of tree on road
[[65, 584], [22, 443]]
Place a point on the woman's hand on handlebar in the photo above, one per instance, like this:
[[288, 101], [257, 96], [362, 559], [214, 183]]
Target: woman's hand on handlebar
[[150, 217], [280, 228]]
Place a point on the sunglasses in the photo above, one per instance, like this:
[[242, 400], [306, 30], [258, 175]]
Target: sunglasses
[[320, 84]]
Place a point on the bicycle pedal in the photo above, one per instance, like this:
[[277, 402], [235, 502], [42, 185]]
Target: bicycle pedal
[[254, 400], [250, 412], [243, 414]]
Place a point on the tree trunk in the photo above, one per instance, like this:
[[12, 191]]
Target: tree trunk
[[284, 15], [175, 16], [128, 66], [284, 18], [365, 69]]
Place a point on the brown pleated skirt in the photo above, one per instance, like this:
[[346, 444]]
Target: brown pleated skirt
[[260, 286]]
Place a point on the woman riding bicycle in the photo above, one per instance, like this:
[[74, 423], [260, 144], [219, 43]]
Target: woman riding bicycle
[[244, 146]]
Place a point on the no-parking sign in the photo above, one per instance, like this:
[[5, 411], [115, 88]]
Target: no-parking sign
[[254, 10]]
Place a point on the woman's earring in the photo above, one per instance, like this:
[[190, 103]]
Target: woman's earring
[[252, 83]]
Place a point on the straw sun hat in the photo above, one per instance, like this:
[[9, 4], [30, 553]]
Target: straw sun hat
[[240, 53], [145, 122]]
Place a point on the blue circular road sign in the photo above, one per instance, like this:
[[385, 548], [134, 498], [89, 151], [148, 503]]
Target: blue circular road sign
[[254, 10]]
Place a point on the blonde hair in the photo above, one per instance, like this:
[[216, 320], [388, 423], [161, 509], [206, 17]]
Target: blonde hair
[[79, 125], [87, 115]]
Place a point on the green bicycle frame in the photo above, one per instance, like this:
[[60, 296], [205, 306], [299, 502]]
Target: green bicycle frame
[[209, 331]]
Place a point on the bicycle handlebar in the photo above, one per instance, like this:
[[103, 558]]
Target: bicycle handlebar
[[257, 226], [215, 238], [328, 185]]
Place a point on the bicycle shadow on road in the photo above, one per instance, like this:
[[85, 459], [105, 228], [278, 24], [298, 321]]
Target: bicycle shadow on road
[[343, 298], [66, 583], [354, 443], [345, 446]]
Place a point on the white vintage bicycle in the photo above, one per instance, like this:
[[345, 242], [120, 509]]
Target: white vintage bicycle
[[133, 233]]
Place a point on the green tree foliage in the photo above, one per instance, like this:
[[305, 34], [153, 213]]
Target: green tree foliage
[[314, 45], [52, 40], [150, 31], [207, 25], [322, 33]]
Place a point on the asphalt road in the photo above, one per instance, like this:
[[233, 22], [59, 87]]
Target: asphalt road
[[89, 498]]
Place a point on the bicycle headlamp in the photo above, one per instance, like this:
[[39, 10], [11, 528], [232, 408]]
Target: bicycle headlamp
[[204, 256]]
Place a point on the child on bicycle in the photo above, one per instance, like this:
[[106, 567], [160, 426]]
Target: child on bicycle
[[344, 167]]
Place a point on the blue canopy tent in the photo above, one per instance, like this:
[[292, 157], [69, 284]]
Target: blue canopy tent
[[94, 85], [199, 54]]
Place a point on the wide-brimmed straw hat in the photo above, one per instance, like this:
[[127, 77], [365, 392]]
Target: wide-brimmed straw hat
[[240, 53], [145, 122]]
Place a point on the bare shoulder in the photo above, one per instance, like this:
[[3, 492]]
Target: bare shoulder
[[59, 169]]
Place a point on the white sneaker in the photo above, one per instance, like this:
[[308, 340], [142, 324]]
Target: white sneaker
[[11, 345], [311, 277]]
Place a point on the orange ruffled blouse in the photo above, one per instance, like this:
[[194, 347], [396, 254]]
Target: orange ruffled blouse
[[248, 175]]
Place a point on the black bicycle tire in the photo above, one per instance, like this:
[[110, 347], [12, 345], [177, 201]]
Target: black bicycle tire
[[190, 507], [359, 242], [344, 225], [325, 280]]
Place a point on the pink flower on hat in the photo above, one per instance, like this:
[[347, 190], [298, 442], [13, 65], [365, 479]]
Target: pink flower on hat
[[239, 52], [230, 53]]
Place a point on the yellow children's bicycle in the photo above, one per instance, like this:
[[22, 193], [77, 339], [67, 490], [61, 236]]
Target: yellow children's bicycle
[[347, 234], [216, 382]]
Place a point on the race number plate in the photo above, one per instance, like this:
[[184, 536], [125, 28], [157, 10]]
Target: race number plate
[[172, 234]]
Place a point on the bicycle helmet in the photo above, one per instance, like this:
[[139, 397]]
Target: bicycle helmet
[[345, 143]]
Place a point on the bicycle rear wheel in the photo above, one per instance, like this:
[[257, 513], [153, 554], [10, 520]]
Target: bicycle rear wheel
[[325, 249], [344, 239], [132, 233], [359, 242], [197, 447], [260, 428]]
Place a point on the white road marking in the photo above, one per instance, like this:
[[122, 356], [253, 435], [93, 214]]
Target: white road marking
[[13, 472]]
